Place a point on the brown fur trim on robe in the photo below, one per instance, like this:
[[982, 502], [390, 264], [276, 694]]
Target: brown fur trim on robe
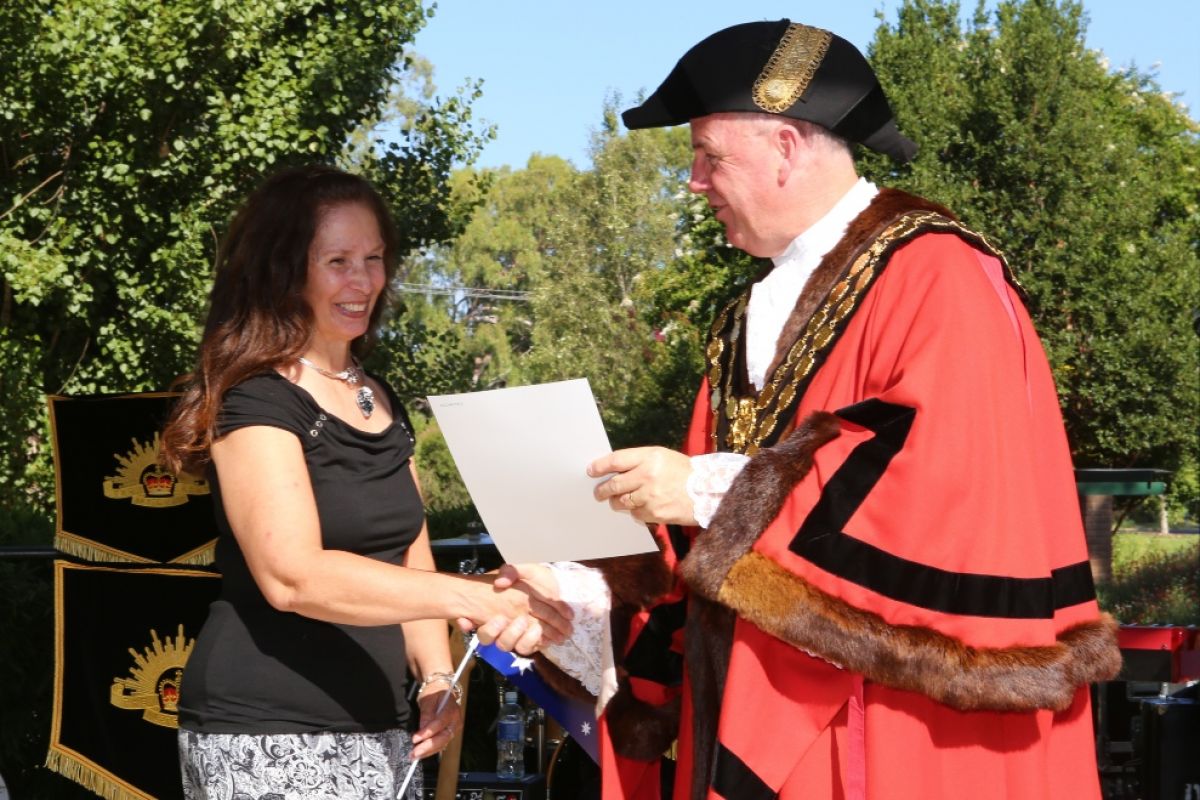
[[756, 495], [638, 729], [723, 568], [919, 659], [634, 580]]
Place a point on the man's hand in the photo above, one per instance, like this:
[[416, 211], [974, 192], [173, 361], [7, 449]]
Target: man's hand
[[650, 483], [547, 621], [534, 579]]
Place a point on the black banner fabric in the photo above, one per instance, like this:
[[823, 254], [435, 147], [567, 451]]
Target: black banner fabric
[[122, 639], [114, 502]]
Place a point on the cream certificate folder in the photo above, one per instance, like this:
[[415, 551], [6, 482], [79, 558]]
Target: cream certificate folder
[[523, 454]]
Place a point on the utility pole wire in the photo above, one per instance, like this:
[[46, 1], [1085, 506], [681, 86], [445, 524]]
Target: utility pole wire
[[463, 291]]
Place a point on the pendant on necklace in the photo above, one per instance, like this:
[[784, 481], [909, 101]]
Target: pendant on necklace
[[366, 401], [351, 376]]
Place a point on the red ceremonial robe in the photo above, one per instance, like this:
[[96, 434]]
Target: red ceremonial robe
[[893, 600]]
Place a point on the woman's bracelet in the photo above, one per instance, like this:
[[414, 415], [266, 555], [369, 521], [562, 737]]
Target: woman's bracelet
[[442, 677]]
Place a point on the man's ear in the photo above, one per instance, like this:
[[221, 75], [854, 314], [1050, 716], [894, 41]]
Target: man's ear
[[789, 143]]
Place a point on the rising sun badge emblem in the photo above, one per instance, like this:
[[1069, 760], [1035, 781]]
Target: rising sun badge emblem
[[153, 688], [140, 478]]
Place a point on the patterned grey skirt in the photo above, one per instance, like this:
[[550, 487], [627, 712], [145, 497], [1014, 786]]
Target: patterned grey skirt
[[296, 766]]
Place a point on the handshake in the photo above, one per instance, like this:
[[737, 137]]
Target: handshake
[[524, 610]]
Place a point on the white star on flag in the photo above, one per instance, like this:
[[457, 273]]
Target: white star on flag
[[521, 664], [586, 729]]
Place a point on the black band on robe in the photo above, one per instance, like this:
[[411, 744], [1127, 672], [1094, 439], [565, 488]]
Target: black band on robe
[[822, 541]]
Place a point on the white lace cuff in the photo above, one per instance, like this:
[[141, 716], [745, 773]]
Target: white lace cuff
[[587, 655], [711, 477]]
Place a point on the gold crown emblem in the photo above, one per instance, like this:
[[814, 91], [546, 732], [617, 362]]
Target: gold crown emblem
[[140, 478], [153, 688], [168, 692]]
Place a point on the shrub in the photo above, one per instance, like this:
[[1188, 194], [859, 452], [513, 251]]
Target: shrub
[[1159, 587]]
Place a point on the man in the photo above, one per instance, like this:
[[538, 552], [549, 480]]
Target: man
[[881, 588]]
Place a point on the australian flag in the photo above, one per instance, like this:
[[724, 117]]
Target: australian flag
[[578, 718]]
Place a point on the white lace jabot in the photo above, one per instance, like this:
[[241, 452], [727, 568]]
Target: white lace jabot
[[773, 298]]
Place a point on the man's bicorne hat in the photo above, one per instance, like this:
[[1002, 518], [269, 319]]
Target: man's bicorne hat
[[778, 68]]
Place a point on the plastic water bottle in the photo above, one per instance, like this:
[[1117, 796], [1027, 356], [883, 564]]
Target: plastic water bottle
[[510, 739]]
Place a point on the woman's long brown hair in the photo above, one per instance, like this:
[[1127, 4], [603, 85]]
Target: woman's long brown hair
[[258, 319]]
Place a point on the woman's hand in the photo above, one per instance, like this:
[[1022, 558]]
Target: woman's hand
[[437, 729], [525, 635], [519, 614]]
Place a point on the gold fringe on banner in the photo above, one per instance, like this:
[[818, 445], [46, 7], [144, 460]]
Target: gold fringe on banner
[[92, 551], [200, 557], [76, 546], [75, 767]]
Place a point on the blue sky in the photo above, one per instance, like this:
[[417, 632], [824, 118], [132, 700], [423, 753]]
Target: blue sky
[[547, 65]]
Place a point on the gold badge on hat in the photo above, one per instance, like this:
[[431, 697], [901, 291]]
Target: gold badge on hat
[[790, 68], [145, 483], [154, 687]]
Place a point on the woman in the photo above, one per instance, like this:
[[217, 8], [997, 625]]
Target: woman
[[296, 685]]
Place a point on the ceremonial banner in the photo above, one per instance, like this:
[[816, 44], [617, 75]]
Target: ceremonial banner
[[122, 638], [114, 502], [577, 718]]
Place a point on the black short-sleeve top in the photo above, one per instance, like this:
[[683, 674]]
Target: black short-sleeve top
[[258, 670]]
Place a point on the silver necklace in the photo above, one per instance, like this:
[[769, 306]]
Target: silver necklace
[[352, 376]]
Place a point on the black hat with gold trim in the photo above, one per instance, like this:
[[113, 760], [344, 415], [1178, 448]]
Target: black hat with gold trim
[[778, 68]]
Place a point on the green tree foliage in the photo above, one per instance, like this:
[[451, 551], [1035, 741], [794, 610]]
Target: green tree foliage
[[129, 129], [501, 257], [587, 251], [1089, 180], [594, 313], [418, 360]]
